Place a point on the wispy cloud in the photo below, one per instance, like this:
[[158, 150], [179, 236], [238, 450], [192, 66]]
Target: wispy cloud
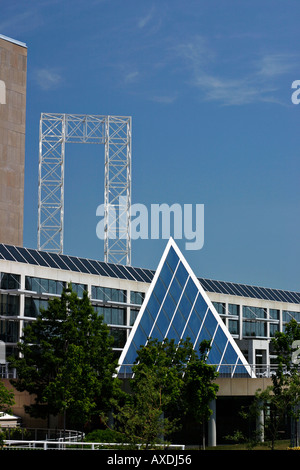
[[48, 79], [144, 20], [164, 99], [131, 77], [260, 82]]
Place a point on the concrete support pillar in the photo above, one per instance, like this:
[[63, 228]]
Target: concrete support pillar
[[212, 425], [260, 425]]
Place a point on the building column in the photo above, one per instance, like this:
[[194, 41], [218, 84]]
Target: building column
[[260, 421], [212, 426]]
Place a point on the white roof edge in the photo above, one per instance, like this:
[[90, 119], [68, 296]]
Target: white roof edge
[[19, 43]]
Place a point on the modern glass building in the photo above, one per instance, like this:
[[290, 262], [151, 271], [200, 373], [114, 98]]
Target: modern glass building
[[138, 303]]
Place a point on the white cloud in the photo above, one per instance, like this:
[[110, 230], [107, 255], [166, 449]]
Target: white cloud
[[259, 84], [273, 65], [131, 77], [47, 78]]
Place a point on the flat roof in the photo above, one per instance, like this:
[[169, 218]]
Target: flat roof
[[89, 266], [14, 41]]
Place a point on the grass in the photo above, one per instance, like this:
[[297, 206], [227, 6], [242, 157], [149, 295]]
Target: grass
[[279, 445]]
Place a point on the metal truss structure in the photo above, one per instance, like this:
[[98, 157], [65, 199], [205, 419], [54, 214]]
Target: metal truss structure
[[115, 133]]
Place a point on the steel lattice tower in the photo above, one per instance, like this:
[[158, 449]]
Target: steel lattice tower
[[115, 133]]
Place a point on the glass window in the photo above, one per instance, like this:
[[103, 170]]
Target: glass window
[[172, 259], [274, 314], [9, 331], [119, 336], [9, 281], [254, 312], [108, 294], [273, 329], [111, 315], [41, 285], [79, 289], [9, 305], [220, 307], [287, 316], [233, 326], [253, 328], [133, 316], [233, 309], [137, 298], [33, 306]]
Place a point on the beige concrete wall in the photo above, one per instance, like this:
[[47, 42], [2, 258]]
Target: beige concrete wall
[[240, 386], [13, 71]]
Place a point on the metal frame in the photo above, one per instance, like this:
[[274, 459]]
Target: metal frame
[[115, 133]]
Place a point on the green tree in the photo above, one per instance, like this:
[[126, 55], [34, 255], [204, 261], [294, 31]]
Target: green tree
[[282, 398], [200, 387], [169, 380], [66, 361], [7, 399]]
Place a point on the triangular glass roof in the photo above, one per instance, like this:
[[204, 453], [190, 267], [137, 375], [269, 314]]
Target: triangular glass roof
[[176, 307]]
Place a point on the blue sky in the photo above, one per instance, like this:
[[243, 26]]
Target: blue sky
[[208, 86]]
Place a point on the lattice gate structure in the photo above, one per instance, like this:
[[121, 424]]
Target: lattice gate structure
[[114, 132]]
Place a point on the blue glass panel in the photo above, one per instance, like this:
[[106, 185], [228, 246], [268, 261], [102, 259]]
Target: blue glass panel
[[175, 290], [189, 333], [230, 355], [169, 307], [140, 338], [162, 323], [159, 290], [157, 334], [195, 322], [130, 356], [200, 306], [146, 321], [153, 306], [172, 259], [191, 290], [220, 340], [173, 334], [204, 335], [181, 274], [179, 322], [210, 323], [166, 275]]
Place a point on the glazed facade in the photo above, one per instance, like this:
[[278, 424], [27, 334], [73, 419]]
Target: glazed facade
[[29, 278]]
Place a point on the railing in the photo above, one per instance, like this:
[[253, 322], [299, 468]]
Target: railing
[[44, 434], [6, 372], [71, 445], [226, 371]]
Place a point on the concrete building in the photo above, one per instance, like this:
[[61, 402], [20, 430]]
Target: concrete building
[[13, 72]]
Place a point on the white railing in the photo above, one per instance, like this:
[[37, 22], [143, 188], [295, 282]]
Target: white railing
[[61, 444], [225, 370]]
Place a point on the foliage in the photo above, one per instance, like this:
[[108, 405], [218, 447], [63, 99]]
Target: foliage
[[103, 435], [7, 399], [282, 398], [169, 380], [66, 360], [6, 402]]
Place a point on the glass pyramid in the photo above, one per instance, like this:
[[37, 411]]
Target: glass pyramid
[[176, 307]]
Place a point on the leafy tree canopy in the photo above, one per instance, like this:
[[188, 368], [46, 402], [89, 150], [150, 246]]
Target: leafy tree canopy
[[66, 360]]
